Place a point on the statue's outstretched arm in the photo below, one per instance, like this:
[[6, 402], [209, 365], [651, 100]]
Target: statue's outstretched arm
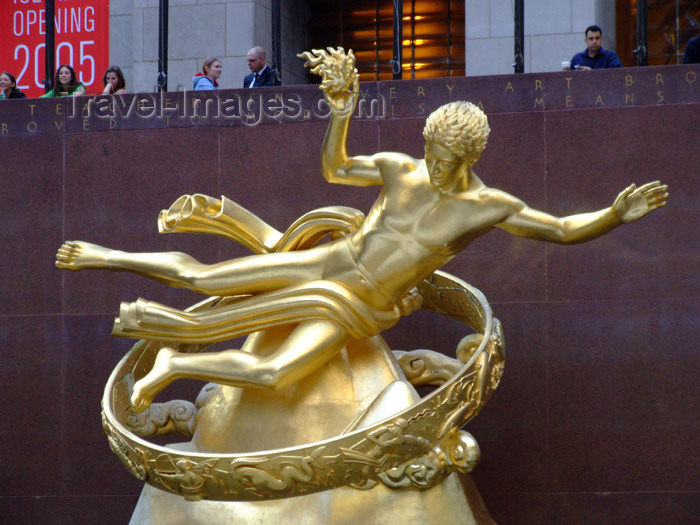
[[630, 205], [341, 87]]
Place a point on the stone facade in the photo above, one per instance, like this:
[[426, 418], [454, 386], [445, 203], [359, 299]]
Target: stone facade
[[198, 29], [553, 33], [228, 28]]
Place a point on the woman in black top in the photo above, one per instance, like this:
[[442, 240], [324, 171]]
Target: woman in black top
[[8, 86]]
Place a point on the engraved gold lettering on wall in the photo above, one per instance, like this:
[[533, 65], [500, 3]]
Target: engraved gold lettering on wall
[[194, 119], [120, 111], [296, 103], [145, 107], [629, 97], [278, 108], [539, 86], [72, 105], [368, 108], [253, 111], [230, 107], [124, 110], [210, 108], [104, 108], [86, 125], [3, 128], [322, 110]]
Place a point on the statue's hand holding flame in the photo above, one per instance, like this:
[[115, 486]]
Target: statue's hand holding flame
[[340, 82]]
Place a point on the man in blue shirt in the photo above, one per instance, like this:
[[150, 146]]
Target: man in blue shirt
[[595, 57], [692, 51]]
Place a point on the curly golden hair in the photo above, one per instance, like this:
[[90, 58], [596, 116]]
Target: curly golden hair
[[461, 127]]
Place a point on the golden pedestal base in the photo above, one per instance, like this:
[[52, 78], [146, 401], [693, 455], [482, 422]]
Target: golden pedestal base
[[362, 379], [443, 504]]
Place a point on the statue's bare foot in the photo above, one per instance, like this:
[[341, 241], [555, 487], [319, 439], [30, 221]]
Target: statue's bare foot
[[76, 255], [146, 388]]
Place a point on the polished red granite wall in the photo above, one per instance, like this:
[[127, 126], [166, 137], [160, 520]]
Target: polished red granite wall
[[596, 419]]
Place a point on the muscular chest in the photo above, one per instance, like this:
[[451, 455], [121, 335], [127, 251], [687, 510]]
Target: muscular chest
[[438, 223]]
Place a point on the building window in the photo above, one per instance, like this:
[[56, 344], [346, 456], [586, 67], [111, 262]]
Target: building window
[[433, 35], [671, 23]]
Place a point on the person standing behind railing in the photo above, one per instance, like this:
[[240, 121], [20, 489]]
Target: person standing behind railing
[[261, 75]]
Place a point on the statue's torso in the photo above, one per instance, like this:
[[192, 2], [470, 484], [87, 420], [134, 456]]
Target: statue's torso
[[413, 228]]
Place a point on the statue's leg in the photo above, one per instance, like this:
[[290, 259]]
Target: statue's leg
[[310, 345], [252, 274]]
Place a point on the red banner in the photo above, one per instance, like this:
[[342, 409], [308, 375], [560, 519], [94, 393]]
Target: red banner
[[82, 40]]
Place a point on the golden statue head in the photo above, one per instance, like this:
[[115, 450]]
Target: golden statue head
[[461, 127]]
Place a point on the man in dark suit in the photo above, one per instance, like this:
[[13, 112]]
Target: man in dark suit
[[261, 74]]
